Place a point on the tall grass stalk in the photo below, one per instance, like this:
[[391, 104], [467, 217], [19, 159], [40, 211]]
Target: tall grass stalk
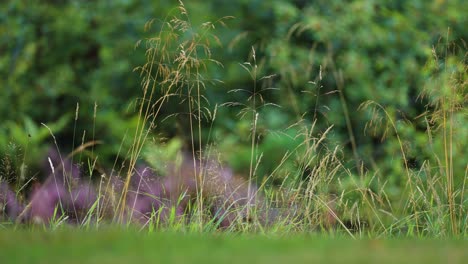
[[448, 108], [452, 99]]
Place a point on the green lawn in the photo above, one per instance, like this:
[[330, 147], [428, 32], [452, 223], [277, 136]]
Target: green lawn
[[78, 246]]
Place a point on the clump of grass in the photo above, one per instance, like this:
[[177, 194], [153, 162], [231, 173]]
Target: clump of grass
[[177, 58], [446, 94], [431, 204]]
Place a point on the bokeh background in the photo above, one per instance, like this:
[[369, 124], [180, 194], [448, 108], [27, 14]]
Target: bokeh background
[[324, 59]]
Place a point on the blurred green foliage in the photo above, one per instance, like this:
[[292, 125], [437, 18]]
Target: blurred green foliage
[[69, 65], [390, 52], [56, 55]]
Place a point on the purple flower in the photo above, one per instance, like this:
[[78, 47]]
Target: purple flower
[[147, 196], [10, 207], [63, 193], [46, 200]]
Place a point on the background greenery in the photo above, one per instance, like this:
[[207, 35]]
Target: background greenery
[[70, 65]]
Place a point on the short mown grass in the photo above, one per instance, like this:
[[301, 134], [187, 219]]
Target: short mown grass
[[127, 246]]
